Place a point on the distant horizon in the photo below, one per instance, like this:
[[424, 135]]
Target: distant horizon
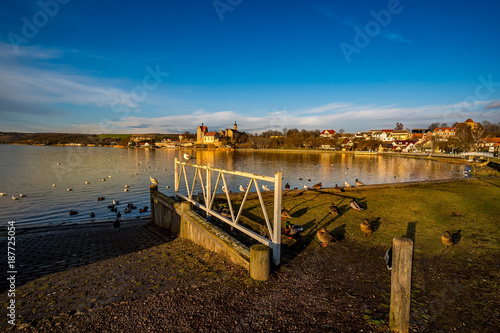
[[98, 67]]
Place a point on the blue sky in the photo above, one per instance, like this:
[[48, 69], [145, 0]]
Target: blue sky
[[101, 66]]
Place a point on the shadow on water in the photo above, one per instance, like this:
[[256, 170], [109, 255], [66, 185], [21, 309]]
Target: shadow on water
[[51, 250]]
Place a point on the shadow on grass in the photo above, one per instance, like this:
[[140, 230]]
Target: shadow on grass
[[411, 231], [376, 224]]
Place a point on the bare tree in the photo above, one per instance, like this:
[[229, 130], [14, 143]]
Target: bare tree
[[399, 126]]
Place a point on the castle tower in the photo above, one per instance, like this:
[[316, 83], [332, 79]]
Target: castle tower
[[235, 127]]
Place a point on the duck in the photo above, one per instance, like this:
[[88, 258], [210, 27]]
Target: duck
[[127, 210], [224, 211], [69, 189], [337, 189], [366, 228], [153, 180], [346, 184], [285, 213], [131, 206], [118, 214], [116, 224], [324, 237], [287, 186], [22, 195], [292, 229], [53, 185], [125, 190], [359, 183], [188, 157], [317, 186], [113, 209], [3, 194], [92, 215], [265, 187], [333, 209], [388, 259], [355, 205], [115, 202], [447, 240], [73, 212], [87, 182], [14, 198], [127, 186], [100, 199], [104, 179]]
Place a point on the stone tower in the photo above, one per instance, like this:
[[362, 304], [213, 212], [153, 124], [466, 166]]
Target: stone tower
[[235, 127]]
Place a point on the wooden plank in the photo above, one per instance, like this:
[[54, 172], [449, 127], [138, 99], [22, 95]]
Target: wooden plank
[[402, 256]]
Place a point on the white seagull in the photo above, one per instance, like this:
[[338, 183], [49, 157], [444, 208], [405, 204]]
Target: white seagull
[[153, 181], [306, 187], [347, 184], [242, 189], [188, 157], [265, 187]]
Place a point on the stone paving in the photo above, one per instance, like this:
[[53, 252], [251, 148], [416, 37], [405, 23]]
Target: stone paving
[[43, 251], [66, 271]]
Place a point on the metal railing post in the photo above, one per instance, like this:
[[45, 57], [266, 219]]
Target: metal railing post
[[176, 181], [276, 238], [209, 191]]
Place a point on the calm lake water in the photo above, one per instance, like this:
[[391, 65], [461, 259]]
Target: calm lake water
[[32, 170]]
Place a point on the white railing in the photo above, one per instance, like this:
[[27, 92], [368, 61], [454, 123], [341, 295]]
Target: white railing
[[477, 153], [209, 192]]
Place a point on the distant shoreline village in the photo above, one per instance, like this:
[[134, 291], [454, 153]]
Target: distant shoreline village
[[437, 138]]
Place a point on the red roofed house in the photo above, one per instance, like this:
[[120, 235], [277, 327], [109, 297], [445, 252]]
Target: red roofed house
[[327, 134]]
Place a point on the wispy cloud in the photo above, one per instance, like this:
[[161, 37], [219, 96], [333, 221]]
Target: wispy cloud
[[493, 105], [28, 52]]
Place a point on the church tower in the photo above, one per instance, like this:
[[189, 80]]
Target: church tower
[[235, 127]]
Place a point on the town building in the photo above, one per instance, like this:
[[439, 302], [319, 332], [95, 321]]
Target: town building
[[327, 134]]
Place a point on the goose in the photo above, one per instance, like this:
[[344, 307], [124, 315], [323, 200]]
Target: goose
[[287, 186], [359, 183], [292, 229], [346, 184], [334, 210], [265, 187], [317, 186], [355, 205], [366, 228], [153, 180], [188, 157], [285, 213], [73, 212], [324, 237]]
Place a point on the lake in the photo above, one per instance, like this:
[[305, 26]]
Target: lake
[[32, 170]]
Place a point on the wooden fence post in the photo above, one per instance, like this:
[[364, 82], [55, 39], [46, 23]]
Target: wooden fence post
[[402, 256]]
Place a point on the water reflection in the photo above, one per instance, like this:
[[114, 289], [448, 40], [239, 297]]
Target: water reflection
[[33, 170]]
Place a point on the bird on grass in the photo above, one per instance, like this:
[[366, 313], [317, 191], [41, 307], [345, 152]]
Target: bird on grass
[[359, 183], [116, 224], [346, 184], [188, 157], [242, 189], [355, 205], [292, 229], [333, 209], [265, 187], [287, 186], [366, 228], [153, 180], [317, 186], [338, 189], [447, 240], [285, 214], [324, 237], [388, 259], [73, 212]]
